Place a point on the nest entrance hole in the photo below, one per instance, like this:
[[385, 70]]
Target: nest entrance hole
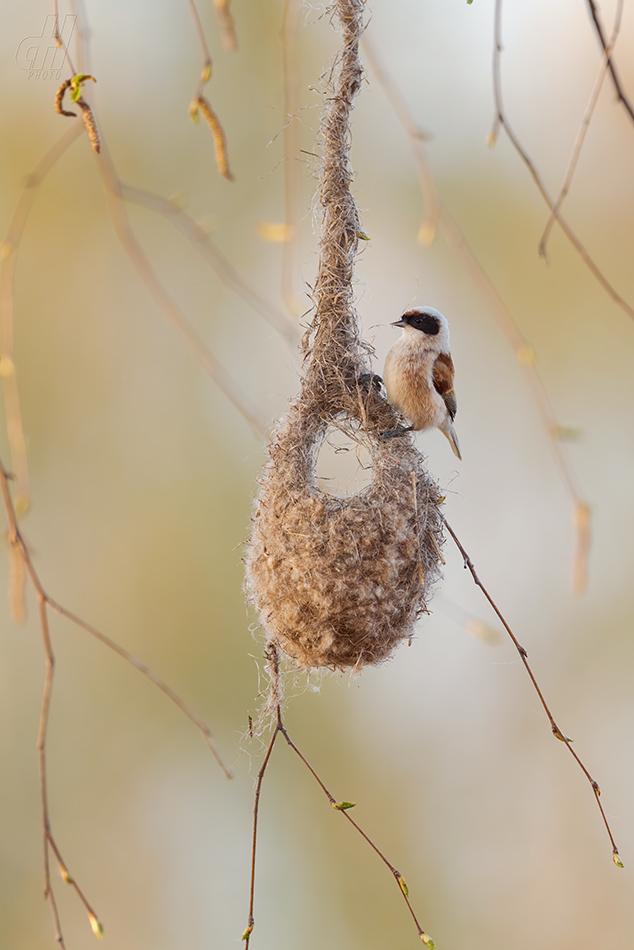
[[344, 462]]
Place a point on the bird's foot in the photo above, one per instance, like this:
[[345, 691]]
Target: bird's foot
[[370, 379], [393, 433]]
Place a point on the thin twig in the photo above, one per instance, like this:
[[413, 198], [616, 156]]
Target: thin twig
[[49, 662], [147, 672], [290, 65], [199, 350], [14, 506], [468, 564], [246, 936], [17, 579], [341, 806], [68, 877], [200, 102], [416, 135], [436, 213], [468, 621], [19, 547], [16, 538], [59, 41], [225, 270], [10, 250], [81, 33], [583, 129], [205, 72], [501, 120], [615, 79], [172, 313], [227, 26]]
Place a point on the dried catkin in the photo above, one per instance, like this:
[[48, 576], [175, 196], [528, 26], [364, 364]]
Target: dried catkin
[[339, 582]]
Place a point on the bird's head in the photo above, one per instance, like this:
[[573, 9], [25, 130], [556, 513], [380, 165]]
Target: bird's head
[[426, 325]]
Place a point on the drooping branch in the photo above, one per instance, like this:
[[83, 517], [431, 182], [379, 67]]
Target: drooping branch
[[623, 99], [502, 121], [583, 129], [19, 549], [556, 731]]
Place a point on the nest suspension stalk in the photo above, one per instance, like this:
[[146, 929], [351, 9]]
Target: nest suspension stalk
[[339, 582]]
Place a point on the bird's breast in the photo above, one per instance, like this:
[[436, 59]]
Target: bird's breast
[[408, 383]]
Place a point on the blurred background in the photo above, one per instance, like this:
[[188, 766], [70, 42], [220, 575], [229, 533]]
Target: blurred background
[[143, 473]]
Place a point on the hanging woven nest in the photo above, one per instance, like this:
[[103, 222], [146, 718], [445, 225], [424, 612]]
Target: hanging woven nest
[[339, 582]]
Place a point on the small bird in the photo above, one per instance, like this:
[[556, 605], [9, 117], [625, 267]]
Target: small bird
[[419, 374]]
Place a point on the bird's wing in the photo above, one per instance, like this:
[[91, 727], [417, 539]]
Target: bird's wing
[[442, 375]]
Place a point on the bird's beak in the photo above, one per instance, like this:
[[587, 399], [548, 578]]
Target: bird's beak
[[399, 323]]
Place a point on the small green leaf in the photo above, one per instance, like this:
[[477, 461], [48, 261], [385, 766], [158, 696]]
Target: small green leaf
[[616, 857], [343, 806], [403, 885], [247, 932], [75, 85], [558, 734], [425, 937]]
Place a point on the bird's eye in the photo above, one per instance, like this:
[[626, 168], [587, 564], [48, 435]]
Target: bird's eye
[[426, 322]]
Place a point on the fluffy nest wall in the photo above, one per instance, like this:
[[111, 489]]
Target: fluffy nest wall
[[339, 582]]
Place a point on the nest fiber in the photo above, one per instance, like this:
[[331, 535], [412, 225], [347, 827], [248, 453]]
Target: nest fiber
[[339, 582]]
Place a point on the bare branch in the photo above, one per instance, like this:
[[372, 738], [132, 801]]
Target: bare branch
[[581, 134], [172, 313], [468, 564], [19, 548], [9, 258], [290, 65], [343, 807], [147, 672], [615, 79], [205, 72], [256, 809], [200, 102], [501, 120], [225, 270], [59, 42], [227, 26]]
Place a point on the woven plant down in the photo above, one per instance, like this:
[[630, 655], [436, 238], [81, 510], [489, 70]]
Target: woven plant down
[[339, 582]]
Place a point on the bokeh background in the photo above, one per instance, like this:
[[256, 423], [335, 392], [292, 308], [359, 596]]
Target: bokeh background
[[143, 474]]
